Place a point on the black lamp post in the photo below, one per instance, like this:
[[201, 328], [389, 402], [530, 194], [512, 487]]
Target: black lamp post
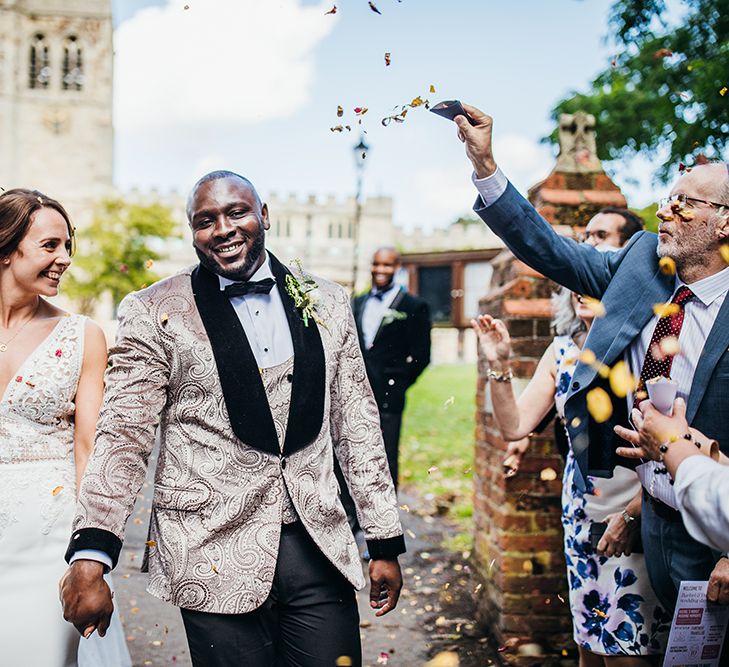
[[360, 154]]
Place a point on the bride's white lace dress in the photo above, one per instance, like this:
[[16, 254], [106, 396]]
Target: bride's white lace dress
[[37, 501]]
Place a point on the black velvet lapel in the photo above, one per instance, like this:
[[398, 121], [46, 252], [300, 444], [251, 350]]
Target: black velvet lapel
[[306, 413], [243, 390]]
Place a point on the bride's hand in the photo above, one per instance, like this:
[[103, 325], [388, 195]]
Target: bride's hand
[[493, 338]]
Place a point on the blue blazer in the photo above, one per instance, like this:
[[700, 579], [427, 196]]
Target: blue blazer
[[628, 283]]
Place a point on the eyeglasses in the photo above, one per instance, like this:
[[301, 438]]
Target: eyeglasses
[[687, 202], [599, 234]]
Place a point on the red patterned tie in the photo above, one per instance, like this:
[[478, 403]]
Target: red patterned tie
[[668, 326]]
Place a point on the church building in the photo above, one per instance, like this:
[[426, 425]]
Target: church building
[[56, 131]]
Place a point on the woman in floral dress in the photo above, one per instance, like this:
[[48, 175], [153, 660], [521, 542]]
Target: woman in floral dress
[[617, 619]]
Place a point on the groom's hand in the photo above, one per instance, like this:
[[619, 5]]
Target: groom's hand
[[86, 597], [385, 585], [477, 138]]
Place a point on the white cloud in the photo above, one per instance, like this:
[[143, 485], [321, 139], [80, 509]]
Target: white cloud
[[216, 62]]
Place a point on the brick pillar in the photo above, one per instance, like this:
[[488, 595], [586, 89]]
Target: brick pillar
[[518, 542]]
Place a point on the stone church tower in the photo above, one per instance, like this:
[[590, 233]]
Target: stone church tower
[[56, 130]]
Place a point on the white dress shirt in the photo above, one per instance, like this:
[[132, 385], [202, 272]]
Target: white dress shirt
[[699, 317], [264, 321], [702, 493], [374, 310]]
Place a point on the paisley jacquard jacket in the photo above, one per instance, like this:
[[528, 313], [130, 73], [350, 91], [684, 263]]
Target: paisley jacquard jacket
[[182, 362]]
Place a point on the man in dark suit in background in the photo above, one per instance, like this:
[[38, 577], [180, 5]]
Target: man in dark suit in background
[[394, 334]]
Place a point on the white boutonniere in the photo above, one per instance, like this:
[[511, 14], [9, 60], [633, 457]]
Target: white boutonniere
[[392, 315], [301, 289]]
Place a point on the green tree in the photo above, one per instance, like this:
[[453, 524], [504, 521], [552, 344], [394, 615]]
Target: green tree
[[666, 89], [116, 251], [649, 216]]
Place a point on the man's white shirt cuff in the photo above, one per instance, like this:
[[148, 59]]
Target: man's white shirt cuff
[[491, 187], [92, 554]]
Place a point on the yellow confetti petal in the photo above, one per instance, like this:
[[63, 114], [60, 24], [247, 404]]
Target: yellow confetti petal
[[666, 309], [57, 490], [599, 405], [151, 543], [603, 370], [598, 310], [723, 90], [548, 474], [669, 346], [667, 266], [134, 610], [343, 661], [432, 88], [724, 250], [527, 566], [576, 421], [340, 111], [149, 264], [588, 357], [622, 380]]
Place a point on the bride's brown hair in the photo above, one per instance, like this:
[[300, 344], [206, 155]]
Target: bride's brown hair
[[16, 214]]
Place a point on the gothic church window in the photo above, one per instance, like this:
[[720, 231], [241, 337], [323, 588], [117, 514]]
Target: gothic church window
[[73, 66], [39, 71]]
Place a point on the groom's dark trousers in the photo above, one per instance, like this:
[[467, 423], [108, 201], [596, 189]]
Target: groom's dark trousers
[[309, 620]]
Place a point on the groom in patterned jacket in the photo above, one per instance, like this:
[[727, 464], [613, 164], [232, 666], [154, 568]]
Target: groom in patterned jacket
[[254, 376]]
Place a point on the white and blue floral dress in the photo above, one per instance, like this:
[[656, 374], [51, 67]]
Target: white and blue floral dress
[[614, 609]]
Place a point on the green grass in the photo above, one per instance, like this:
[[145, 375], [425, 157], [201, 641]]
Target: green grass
[[438, 432]]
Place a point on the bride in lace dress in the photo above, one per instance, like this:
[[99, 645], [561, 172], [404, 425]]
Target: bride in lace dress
[[51, 384]]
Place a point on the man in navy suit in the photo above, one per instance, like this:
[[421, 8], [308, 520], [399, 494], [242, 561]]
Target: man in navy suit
[[693, 234]]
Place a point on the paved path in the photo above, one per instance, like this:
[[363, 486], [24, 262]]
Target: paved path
[[433, 614]]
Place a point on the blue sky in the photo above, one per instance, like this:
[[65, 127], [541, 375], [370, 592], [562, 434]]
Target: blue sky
[[253, 85]]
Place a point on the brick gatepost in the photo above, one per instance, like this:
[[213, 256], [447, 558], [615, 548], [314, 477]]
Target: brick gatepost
[[518, 551]]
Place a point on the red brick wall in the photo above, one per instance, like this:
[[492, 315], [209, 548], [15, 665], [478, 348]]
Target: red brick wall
[[518, 549]]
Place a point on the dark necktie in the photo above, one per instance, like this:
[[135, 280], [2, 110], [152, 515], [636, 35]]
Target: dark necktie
[[251, 287], [656, 363], [377, 295]]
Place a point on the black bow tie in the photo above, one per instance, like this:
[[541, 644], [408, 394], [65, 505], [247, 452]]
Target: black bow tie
[[251, 287], [379, 295]]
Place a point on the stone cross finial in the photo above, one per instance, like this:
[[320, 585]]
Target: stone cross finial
[[577, 148]]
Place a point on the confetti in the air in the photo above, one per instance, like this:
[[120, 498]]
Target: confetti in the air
[[599, 405], [663, 53], [724, 250], [622, 380], [667, 266], [151, 543], [340, 111], [57, 490], [548, 475], [333, 10], [723, 91], [666, 309], [374, 8], [383, 658], [432, 469], [669, 346], [388, 58], [598, 310]]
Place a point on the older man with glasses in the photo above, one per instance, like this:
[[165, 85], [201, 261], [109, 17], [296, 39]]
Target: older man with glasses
[[683, 269]]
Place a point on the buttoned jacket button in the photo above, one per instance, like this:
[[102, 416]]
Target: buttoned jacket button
[[575, 385]]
